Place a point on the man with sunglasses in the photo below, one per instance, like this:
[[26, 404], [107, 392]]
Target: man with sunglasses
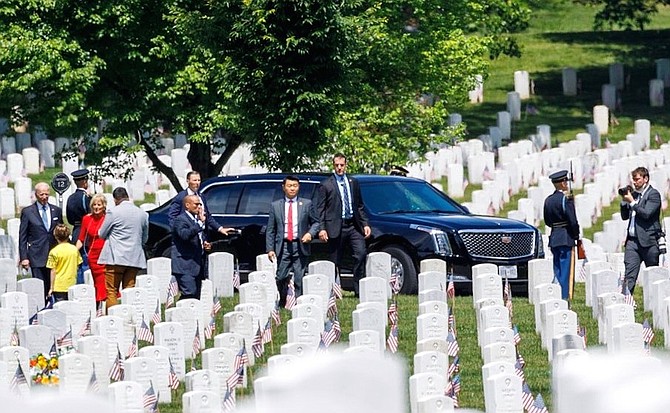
[[189, 240]]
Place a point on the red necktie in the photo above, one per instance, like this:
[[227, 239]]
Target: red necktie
[[289, 230]]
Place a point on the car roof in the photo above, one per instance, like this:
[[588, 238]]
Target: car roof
[[304, 176]]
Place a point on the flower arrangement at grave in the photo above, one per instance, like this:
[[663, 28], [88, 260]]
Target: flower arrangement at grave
[[44, 370]]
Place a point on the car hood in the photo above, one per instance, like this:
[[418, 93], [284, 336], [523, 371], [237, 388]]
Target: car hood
[[455, 222]]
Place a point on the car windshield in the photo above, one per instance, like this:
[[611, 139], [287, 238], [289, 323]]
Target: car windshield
[[394, 197]]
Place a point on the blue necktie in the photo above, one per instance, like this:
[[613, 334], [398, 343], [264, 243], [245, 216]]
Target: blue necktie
[[45, 217], [347, 206]]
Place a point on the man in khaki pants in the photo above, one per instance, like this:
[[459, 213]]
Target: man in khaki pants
[[125, 230]]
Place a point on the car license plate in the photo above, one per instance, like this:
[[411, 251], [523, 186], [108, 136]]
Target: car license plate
[[508, 271]]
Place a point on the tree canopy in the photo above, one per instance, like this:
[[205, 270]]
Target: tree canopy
[[626, 14], [293, 78]]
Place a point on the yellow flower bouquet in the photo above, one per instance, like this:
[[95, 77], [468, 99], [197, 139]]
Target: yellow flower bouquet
[[44, 370]]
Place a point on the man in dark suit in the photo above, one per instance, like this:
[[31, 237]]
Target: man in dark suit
[[292, 225], [193, 187], [189, 244], [36, 234], [78, 204], [342, 218], [559, 214], [642, 207]]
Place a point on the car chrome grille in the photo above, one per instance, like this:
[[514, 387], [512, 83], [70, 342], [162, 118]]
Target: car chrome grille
[[498, 245]]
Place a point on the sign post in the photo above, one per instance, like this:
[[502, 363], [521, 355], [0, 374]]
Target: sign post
[[60, 183]]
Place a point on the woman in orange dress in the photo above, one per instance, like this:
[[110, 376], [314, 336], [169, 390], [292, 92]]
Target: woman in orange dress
[[92, 244]]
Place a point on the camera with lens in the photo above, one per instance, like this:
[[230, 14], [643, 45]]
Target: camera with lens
[[625, 190], [660, 239]]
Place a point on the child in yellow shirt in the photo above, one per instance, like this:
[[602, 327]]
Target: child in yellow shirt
[[63, 260]]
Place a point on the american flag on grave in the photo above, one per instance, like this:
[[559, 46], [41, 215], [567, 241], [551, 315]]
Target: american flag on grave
[[393, 311], [392, 341], [14, 336], [133, 349], [241, 358], [93, 383], [538, 406], [291, 299], [454, 367], [144, 332], [18, 380], [210, 328], [257, 345], [228, 403], [517, 335], [267, 332], [173, 379], [236, 378], [116, 372], [196, 340], [216, 305], [337, 289], [332, 304], [150, 397], [518, 370], [451, 289], [66, 340], [647, 333], [627, 296], [85, 328], [452, 345], [156, 316], [276, 316], [173, 289], [236, 276], [527, 398]]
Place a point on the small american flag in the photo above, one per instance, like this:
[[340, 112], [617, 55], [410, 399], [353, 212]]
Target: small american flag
[[173, 289], [267, 332], [14, 337], [144, 333], [627, 296], [133, 349], [332, 304], [216, 306], [581, 332], [527, 398], [228, 402], [517, 335], [66, 340], [453, 388], [392, 340], [241, 358], [156, 316], [236, 378], [647, 333], [454, 367], [291, 299], [507, 298], [173, 379], [93, 384], [451, 289], [150, 397], [337, 289], [452, 322], [328, 335], [33, 320], [337, 329], [18, 380], [99, 312], [236, 276], [394, 282], [257, 345], [85, 328], [196, 340], [116, 372], [393, 311], [520, 359], [276, 316], [518, 370], [452, 345], [210, 328], [53, 351], [538, 406]]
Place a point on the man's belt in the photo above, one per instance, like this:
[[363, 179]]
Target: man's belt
[[75, 223], [559, 225]]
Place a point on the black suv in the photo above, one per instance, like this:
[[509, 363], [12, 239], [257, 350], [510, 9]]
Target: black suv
[[410, 219]]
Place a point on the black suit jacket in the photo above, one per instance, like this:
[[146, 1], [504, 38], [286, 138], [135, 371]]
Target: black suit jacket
[[647, 216], [187, 254], [177, 209], [329, 206], [35, 241], [78, 205]]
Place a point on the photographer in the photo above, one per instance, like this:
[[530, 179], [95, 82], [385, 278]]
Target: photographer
[[559, 214], [641, 205]]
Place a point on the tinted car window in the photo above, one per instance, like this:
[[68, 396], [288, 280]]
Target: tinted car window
[[406, 196], [257, 197], [222, 199]]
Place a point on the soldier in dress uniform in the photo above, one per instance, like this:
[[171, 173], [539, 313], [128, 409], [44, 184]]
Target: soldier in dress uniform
[[559, 214], [78, 204]]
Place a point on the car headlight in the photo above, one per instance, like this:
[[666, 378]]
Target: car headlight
[[440, 239]]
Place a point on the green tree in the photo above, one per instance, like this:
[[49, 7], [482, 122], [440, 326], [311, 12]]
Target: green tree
[[626, 14], [293, 78]]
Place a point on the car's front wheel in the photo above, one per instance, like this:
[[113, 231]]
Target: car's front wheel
[[403, 267]]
